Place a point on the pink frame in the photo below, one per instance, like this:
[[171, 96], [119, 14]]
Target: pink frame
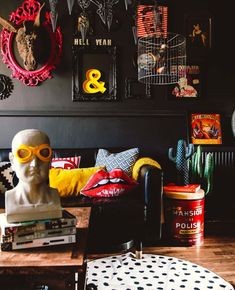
[[28, 11]]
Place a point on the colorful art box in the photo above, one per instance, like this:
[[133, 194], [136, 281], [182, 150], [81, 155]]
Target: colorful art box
[[205, 128]]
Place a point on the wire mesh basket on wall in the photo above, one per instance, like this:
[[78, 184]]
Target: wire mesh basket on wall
[[161, 58]]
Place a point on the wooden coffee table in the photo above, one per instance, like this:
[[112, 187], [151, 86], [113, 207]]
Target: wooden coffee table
[[59, 267]]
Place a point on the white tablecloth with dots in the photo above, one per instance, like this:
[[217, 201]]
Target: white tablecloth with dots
[[124, 272]]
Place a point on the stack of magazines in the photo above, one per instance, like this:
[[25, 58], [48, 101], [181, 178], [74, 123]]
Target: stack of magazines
[[38, 233]]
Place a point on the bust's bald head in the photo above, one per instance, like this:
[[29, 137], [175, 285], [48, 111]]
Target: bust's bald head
[[35, 170], [31, 137]]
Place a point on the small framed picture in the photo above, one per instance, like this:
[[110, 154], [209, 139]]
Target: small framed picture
[[205, 128], [187, 87], [198, 31], [136, 90]]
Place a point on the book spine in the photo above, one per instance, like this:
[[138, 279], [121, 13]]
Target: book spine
[[181, 189], [38, 234], [177, 190], [44, 242], [39, 226]]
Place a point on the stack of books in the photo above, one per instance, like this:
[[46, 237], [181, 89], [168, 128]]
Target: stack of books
[[190, 188], [38, 233]]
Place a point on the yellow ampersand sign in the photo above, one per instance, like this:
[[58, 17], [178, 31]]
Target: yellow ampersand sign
[[91, 84]]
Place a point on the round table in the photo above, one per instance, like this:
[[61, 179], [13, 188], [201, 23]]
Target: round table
[[125, 272]]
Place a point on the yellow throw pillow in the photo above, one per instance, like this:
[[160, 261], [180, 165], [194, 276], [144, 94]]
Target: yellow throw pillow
[[70, 182], [143, 161]]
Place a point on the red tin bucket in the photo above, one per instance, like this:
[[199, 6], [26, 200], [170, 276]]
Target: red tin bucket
[[184, 217]]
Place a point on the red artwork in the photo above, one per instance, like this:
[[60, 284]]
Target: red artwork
[[206, 129], [189, 86], [28, 12], [151, 20]]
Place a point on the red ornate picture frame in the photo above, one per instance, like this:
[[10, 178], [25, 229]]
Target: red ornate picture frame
[[28, 11], [205, 128]]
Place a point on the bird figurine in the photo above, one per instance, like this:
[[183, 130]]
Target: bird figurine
[[83, 25]]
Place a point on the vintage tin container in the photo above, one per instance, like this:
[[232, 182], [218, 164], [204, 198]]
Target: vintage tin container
[[184, 217]]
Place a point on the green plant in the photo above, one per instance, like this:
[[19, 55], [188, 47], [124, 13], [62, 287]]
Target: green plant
[[201, 171]]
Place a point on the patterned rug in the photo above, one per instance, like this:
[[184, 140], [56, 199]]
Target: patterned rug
[[124, 272]]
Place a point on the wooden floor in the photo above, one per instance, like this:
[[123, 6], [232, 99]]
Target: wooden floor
[[216, 254]]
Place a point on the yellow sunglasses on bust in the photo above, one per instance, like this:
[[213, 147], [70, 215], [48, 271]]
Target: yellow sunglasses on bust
[[24, 153]]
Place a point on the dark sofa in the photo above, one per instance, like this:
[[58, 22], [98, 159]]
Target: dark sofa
[[117, 221]]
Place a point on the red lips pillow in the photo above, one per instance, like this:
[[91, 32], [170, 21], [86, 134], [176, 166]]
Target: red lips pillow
[[108, 184]]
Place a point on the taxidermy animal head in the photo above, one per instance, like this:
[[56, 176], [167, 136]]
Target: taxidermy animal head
[[26, 39]]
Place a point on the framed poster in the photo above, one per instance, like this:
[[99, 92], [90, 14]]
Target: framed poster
[[188, 87], [151, 19], [94, 73], [198, 30], [205, 128]]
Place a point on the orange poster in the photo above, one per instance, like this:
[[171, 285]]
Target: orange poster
[[206, 129]]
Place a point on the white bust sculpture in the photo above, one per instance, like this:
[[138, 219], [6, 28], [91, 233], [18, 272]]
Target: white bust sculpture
[[32, 198]]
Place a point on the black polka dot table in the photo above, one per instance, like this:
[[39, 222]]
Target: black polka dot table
[[124, 272]]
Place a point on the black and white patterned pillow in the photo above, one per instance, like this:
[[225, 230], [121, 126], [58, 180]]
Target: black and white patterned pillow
[[124, 160], [6, 176]]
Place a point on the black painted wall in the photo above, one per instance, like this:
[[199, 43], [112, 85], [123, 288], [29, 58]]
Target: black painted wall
[[55, 94], [153, 124]]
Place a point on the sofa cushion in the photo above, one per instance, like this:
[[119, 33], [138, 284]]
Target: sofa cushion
[[123, 160], [66, 162], [6, 177], [70, 182], [108, 184]]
